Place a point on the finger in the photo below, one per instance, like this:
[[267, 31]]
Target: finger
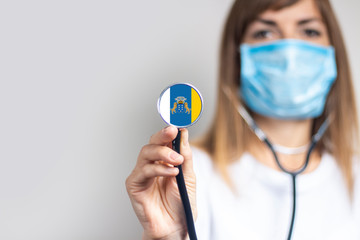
[[164, 136], [185, 151], [151, 171], [159, 153]]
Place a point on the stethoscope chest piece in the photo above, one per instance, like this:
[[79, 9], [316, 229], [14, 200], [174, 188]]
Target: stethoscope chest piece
[[180, 105]]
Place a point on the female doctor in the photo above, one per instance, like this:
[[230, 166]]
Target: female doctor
[[285, 124]]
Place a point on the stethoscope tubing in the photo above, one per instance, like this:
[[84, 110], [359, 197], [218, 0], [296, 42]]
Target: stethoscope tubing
[[183, 192], [262, 136], [293, 175]]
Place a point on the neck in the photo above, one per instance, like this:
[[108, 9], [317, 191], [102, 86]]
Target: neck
[[287, 133]]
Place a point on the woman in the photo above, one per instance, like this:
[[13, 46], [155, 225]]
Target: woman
[[285, 62]]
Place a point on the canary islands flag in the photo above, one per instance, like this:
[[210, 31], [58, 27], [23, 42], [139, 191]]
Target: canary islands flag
[[180, 105]]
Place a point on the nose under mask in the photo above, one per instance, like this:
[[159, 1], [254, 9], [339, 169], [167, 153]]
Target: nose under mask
[[287, 79]]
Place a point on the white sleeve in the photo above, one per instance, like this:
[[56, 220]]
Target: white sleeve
[[203, 168]]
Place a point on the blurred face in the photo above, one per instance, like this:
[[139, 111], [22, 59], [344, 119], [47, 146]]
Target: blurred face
[[301, 21]]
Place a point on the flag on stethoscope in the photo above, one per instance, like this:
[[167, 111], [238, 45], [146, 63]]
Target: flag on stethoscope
[[180, 105]]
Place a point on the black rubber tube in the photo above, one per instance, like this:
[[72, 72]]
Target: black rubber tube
[[183, 192], [294, 207], [293, 176]]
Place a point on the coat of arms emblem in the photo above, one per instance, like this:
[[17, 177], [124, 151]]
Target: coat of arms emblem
[[179, 105]]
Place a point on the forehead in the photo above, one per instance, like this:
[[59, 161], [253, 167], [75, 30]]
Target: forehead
[[298, 11]]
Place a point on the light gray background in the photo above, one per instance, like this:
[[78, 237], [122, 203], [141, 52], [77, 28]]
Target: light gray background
[[79, 82]]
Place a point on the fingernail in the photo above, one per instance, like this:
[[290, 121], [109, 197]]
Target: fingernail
[[173, 170], [175, 156]]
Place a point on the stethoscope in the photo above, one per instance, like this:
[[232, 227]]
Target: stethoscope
[[275, 148], [164, 107]]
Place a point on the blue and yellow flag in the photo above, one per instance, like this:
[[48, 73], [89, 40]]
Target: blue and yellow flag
[[180, 105]]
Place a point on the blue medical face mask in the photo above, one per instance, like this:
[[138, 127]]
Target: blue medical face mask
[[287, 79]]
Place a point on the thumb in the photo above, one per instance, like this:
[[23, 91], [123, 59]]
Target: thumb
[[188, 171], [185, 151]]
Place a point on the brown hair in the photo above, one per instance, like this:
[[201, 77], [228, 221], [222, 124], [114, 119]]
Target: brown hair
[[228, 136]]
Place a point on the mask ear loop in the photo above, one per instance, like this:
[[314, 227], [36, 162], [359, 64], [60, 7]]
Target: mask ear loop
[[261, 135]]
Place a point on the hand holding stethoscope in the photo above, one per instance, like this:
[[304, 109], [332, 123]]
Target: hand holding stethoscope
[[165, 205], [152, 187]]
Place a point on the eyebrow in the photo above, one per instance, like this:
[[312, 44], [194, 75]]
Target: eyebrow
[[301, 22], [305, 21], [267, 22]]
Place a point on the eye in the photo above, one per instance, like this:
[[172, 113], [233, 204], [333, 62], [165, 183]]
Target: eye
[[312, 33], [262, 34]]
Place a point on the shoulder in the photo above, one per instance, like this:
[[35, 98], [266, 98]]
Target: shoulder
[[203, 164]]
